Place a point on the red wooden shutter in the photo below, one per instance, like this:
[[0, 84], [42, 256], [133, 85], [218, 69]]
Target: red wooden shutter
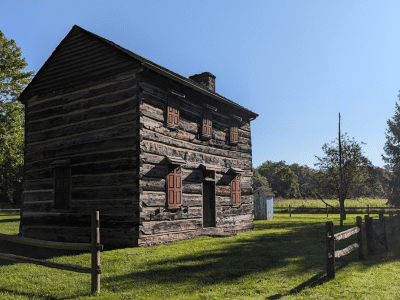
[[173, 111], [175, 187], [234, 134], [207, 124], [235, 191]]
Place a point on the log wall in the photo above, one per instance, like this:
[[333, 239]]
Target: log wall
[[160, 225], [96, 127]]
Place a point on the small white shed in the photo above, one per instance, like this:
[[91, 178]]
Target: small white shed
[[263, 204]]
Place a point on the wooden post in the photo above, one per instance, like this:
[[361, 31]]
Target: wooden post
[[369, 227], [330, 250], [359, 237], [326, 210], [383, 226], [95, 237], [398, 220], [391, 222], [290, 211]]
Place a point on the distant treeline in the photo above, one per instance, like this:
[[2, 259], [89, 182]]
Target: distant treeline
[[295, 181]]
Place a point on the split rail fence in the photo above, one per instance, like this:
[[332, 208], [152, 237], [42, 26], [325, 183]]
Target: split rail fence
[[374, 236], [331, 254], [328, 210], [95, 247]]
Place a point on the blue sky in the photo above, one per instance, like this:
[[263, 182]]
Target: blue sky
[[295, 63]]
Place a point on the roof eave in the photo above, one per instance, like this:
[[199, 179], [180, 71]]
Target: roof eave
[[197, 88]]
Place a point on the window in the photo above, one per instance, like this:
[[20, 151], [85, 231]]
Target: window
[[233, 134], [62, 186], [206, 131], [174, 186], [173, 111], [235, 190]]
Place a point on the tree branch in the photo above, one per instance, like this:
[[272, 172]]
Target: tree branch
[[327, 203]]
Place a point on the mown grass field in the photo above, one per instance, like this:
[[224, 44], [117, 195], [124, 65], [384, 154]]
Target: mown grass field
[[360, 202], [280, 259]]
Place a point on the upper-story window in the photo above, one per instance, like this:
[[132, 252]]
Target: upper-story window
[[233, 134], [173, 111], [206, 130]]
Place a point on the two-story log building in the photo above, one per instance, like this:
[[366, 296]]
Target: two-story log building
[[163, 157]]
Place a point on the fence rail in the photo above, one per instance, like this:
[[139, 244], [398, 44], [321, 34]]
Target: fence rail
[[95, 247], [331, 254], [321, 210]]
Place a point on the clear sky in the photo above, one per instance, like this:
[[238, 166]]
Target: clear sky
[[295, 63]]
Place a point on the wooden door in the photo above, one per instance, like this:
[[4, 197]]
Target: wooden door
[[208, 204]]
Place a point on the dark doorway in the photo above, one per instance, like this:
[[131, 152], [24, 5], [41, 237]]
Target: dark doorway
[[208, 203]]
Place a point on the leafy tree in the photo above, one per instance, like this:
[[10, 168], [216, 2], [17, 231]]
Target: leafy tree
[[268, 168], [286, 182], [259, 180], [12, 83], [392, 158], [306, 178], [354, 162]]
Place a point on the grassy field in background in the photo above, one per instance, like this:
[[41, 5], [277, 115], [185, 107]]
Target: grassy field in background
[[280, 259], [360, 202]]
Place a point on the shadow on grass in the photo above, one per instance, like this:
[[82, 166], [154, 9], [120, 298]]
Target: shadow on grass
[[38, 295], [290, 247], [318, 279], [298, 246]]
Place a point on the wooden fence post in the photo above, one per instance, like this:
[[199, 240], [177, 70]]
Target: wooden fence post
[[391, 222], [330, 250], [398, 220], [290, 211], [95, 239], [359, 237], [326, 210], [369, 227], [383, 227]]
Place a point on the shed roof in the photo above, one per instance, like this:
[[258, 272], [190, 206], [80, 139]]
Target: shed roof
[[159, 69], [265, 191]]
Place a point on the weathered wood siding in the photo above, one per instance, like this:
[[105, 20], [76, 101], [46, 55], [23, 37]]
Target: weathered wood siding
[[95, 124], [158, 224]]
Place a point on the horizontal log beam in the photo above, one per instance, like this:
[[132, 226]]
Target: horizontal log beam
[[85, 148], [76, 129], [120, 130], [129, 103]]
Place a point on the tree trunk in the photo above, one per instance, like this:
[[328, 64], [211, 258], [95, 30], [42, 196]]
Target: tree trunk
[[342, 211]]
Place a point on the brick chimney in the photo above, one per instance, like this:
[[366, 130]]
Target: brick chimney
[[206, 78]]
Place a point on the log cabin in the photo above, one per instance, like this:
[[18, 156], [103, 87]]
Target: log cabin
[[163, 157]]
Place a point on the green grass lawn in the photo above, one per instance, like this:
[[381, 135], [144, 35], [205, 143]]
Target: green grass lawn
[[359, 202], [280, 259]]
